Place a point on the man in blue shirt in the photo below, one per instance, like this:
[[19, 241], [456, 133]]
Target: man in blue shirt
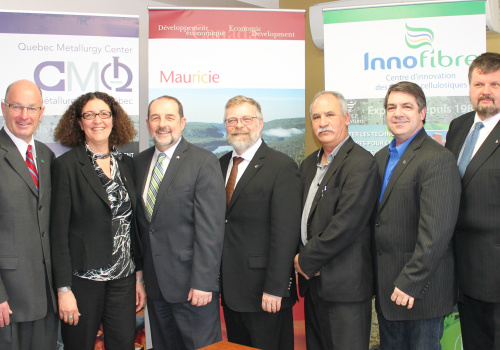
[[413, 226]]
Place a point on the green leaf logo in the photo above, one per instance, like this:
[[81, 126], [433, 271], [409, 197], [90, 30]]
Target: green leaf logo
[[418, 37]]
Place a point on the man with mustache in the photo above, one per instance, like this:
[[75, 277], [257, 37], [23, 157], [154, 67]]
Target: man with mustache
[[262, 233], [340, 188], [413, 226], [181, 224], [474, 139]]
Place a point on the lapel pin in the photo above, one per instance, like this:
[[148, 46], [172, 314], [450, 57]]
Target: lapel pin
[[44, 161], [404, 161], [496, 141], [177, 157], [256, 166], [124, 178]]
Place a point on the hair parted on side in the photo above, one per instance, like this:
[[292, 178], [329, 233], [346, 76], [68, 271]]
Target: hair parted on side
[[237, 100], [485, 63], [69, 133]]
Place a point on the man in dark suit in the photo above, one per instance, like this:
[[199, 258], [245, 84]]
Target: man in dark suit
[[475, 137], [181, 224], [27, 300], [262, 233], [413, 224], [340, 186]]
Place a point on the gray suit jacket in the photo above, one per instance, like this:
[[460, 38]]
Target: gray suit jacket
[[24, 232], [477, 235], [338, 224], [183, 243], [414, 224]]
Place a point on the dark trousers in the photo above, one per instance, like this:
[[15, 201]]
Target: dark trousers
[[32, 335], [179, 326], [111, 303], [480, 323], [261, 330], [336, 325], [411, 335]]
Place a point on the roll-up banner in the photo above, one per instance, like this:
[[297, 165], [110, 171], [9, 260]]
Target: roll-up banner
[[67, 55], [429, 43], [205, 56]]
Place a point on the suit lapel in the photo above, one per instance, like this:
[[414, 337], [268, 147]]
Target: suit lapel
[[16, 161], [405, 160], [90, 174], [332, 169], [224, 164], [43, 168], [252, 169], [483, 153], [309, 176], [172, 169], [462, 133], [142, 169]]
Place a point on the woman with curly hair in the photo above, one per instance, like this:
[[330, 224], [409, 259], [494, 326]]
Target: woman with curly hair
[[95, 246]]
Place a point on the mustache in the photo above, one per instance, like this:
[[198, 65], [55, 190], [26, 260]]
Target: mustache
[[486, 97], [164, 129], [325, 128]]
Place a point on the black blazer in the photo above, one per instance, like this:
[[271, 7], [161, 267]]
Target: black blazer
[[80, 226], [477, 235], [262, 232], [413, 227], [338, 224]]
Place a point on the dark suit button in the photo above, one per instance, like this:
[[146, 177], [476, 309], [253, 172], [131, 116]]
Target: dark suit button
[[377, 224], [43, 234], [225, 221], [151, 231], [40, 207], [379, 252]]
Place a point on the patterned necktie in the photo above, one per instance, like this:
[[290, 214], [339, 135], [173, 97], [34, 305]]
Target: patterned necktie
[[154, 185], [469, 148], [30, 163], [232, 179]]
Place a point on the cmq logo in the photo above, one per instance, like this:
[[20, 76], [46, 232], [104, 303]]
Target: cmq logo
[[417, 38], [79, 76]]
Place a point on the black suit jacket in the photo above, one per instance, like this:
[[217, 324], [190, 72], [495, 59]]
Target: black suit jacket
[[477, 235], [414, 225], [339, 224], [80, 226], [25, 259], [262, 232], [183, 242]]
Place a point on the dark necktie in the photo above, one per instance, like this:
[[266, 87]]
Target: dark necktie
[[30, 162], [469, 148], [232, 179]]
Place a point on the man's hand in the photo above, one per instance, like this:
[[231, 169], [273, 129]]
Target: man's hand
[[68, 310], [401, 298], [297, 267], [5, 313], [140, 296], [271, 303], [199, 297]]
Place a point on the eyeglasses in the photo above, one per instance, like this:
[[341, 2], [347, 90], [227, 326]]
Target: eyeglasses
[[92, 115], [18, 109], [244, 121]]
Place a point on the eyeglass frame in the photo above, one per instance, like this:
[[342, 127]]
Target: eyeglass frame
[[94, 115], [239, 120], [32, 110]]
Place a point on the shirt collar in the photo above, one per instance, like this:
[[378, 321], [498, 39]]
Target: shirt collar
[[402, 147], [169, 152], [249, 153], [489, 123], [21, 145], [331, 156]]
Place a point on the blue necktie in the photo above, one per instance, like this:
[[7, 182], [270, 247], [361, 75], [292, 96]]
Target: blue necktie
[[469, 148]]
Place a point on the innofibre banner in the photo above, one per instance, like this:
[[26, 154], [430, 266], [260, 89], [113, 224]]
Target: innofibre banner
[[68, 55], [431, 44], [204, 57]]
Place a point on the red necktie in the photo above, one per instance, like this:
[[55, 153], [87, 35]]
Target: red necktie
[[30, 162], [232, 179]]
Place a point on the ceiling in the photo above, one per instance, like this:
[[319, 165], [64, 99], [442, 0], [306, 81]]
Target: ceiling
[[223, 3]]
